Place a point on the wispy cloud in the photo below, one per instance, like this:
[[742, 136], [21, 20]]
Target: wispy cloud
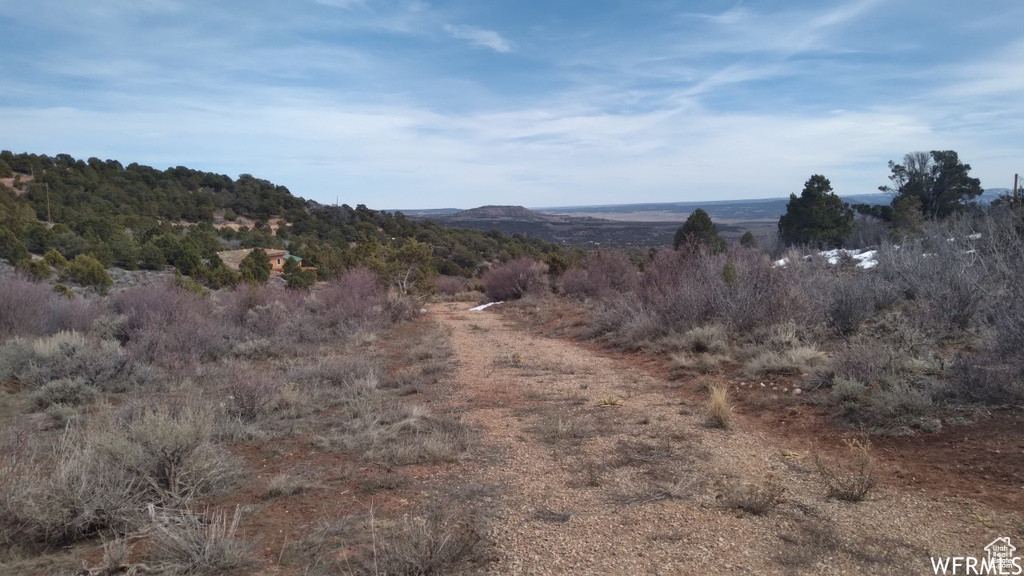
[[368, 96], [344, 4], [480, 37]]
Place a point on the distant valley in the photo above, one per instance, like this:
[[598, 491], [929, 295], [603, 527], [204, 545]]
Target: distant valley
[[630, 225]]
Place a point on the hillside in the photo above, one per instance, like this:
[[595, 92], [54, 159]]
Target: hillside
[[138, 216]]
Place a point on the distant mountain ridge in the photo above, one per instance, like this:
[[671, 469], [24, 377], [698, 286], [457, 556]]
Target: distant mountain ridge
[[721, 211]]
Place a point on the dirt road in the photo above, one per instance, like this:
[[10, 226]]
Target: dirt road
[[599, 469]]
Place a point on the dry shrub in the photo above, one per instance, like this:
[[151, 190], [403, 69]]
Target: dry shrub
[[994, 375], [757, 498], [251, 392], [338, 371], [687, 289], [168, 448], [78, 315], [847, 390], [604, 272], [171, 327], [115, 556], [757, 295], [66, 492], [943, 270], [625, 322], [100, 363], [575, 283], [201, 543], [719, 407], [849, 305], [451, 285], [65, 392], [437, 540], [22, 306], [851, 480], [889, 378], [235, 304], [514, 278], [445, 536]]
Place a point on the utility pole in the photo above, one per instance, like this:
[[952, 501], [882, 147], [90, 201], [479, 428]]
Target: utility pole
[[1015, 177], [49, 220]]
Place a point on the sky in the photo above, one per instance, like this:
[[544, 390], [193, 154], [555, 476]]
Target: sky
[[414, 104]]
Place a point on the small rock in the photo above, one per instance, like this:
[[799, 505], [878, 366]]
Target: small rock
[[797, 391]]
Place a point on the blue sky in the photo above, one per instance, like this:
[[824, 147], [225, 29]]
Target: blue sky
[[413, 104]]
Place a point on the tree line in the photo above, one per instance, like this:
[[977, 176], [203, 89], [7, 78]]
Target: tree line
[[139, 217], [925, 186]]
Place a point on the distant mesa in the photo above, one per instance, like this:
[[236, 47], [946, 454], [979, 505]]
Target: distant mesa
[[517, 213]]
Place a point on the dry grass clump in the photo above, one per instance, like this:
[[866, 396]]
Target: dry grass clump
[[786, 363], [445, 536], [700, 363], [757, 498], [559, 428], [390, 432], [852, 480], [287, 485], [439, 539], [719, 410], [206, 543], [708, 339]]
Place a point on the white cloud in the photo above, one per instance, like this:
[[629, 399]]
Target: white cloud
[[480, 37]]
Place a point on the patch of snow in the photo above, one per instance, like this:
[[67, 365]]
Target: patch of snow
[[975, 236], [865, 258], [483, 306]]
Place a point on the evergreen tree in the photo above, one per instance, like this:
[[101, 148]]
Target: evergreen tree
[[87, 271], [748, 240], [937, 179], [699, 230], [817, 217], [12, 248], [36, 270], [295, 277], [151, 257], [255, 267]]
